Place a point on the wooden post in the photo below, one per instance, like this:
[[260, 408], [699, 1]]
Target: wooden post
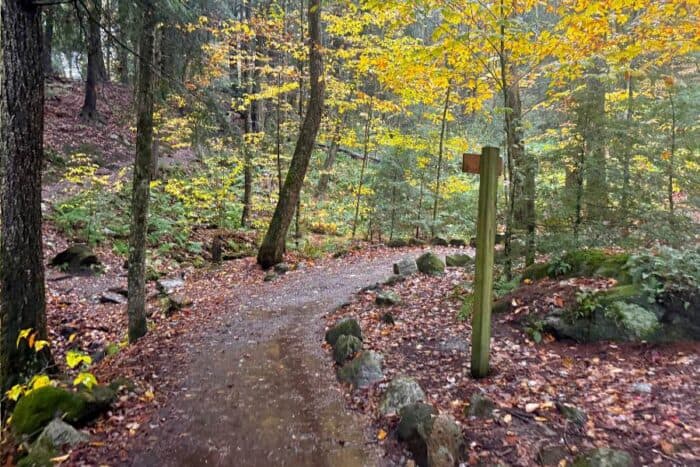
[[483, 280]]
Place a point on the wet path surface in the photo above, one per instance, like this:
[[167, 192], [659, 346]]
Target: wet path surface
[[261, 391]]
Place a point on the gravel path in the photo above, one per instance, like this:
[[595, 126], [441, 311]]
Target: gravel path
[[260, 392]]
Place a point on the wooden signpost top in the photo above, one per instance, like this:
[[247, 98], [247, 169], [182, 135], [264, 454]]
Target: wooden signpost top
[[471, 164]]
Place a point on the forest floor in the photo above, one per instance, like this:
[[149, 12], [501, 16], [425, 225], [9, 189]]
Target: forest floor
[[241, 375]]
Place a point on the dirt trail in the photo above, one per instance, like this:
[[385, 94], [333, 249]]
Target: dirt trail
[[260, 391]]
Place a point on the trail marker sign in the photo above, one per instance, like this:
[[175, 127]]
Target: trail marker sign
[[489, 166]]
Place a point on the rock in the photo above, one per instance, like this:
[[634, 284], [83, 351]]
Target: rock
[[402, 391], [388, 318], [571, 413], [363, 371], [457, 260], [405, 267], [397, 243], [618, 321], [111, 297], [642, 388], [551, 455], [535, 272], [169, 286], [123, 291], [444, 442], [438, 241], [394, 279], [603, 457], [282, 268], [77, 258], [498, 240], [457, 242], [347, 326], [270, 276], [414, 428], [634, 322], [480, 406], [345, 347], [416, 242], [58, 434], [431, 264], [177, 302], [39, 407], [387, 298]]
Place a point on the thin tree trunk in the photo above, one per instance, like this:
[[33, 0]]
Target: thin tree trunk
[[365, 155], [123, 18], [325, 177], [278, 136], [627, 153], [440, 155], [672, 154], [248, 126], [420, 204], [22, 295], [89, 110], [272, 248], [142, 179], [48, 42], [595, 171]]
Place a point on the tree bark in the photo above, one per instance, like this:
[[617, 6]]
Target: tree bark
[[441, 148], [325, 177], [368, 126], [89, 110], [273, 245], [596, 159], [142, 179], [48, 42], [22, 294], [123, 18]]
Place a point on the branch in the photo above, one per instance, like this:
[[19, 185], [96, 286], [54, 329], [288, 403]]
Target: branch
[[348, 152]]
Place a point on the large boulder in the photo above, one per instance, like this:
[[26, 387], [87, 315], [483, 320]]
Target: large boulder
[[346, 326], [402, 391], [75, 259], [583, 263], [169, 286], [603, 457], [405, 267], [431, 264], [397, 243], [457, 260], [345, 347], [439, 241], [36, 409], [363, 371]]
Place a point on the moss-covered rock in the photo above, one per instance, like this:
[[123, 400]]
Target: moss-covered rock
[[402, 391], [457, 260], [416, 242], [77, 258], [414, 427], [363, 371], [480, 406], [387, 298], [439, 241], [345, 347], [39, 407], [458, 242], [347, 326], [431, 264], [593, 262], [603, 457], [536, 271], [397, 243]]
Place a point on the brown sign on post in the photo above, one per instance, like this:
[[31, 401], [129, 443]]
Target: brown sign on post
[[470, 164]]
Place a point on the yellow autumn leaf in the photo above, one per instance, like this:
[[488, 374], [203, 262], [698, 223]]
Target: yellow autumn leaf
[[381, 435], [40, 344], [39, 381], [23, 335], [86, 379], [15, 392], [75, 358]]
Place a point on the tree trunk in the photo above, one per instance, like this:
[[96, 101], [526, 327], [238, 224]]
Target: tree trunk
[[325, 177], [272, 248], [48, 42], [102, 74], [671, 156], [594, 137], [123, 18], [22, 295], [440, 155], [89, 110], [368, 126], [142, 179]]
